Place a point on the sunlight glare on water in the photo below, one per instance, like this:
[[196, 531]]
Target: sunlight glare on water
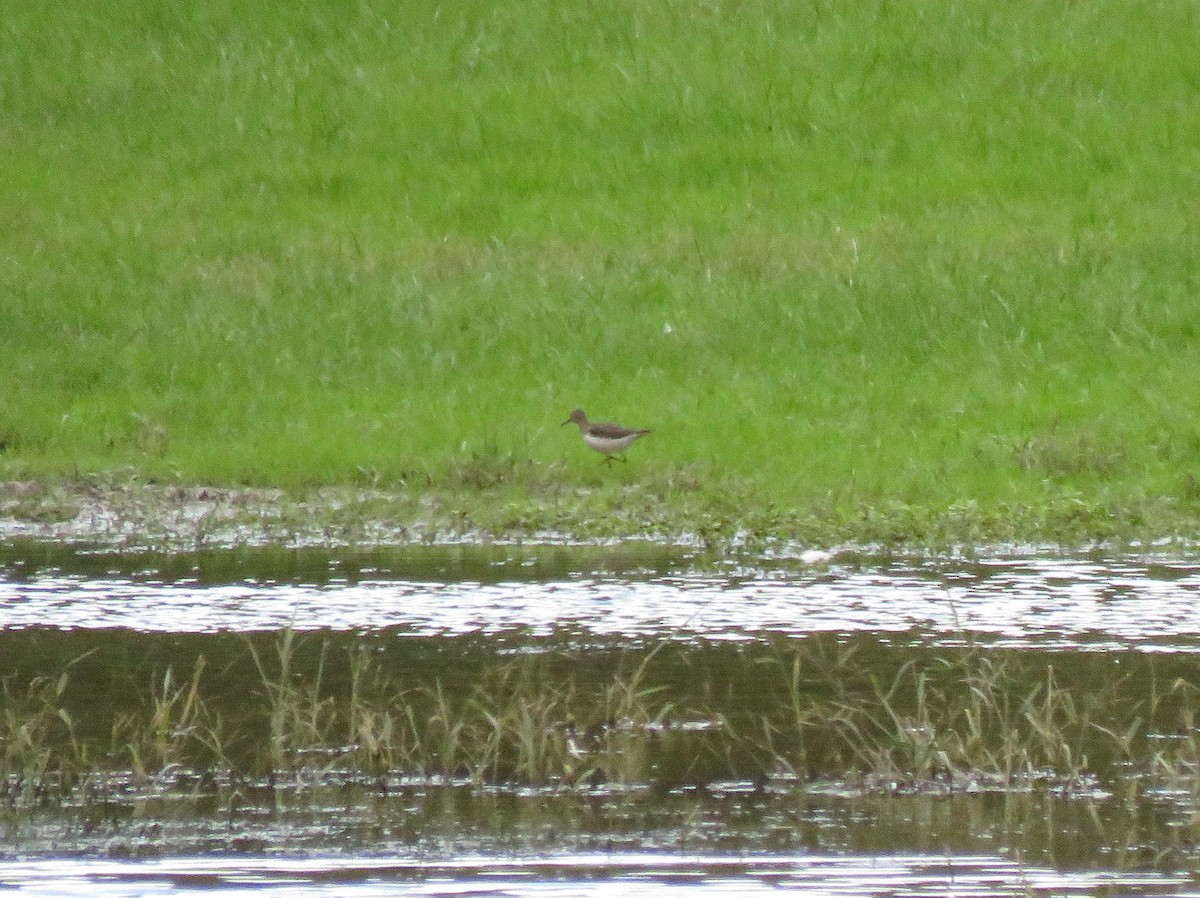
[[1046, 602], [591, 876]]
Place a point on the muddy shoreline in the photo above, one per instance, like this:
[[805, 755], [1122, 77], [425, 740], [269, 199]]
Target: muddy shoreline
[[128, 514], [159, 517]]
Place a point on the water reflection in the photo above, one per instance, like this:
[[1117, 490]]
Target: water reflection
[[1019, 602], [600, 875]]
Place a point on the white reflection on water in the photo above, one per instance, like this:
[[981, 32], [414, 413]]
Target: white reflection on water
[[1030, 601], [601, 876]]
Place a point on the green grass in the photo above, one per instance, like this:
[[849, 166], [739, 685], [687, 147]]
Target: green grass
[[839, 256]]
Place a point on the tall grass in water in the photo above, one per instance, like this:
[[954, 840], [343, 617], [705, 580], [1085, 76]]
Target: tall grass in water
[[519, 722], [837, 255], [38, 733], [817, 709], [164, 737], [975, 719]]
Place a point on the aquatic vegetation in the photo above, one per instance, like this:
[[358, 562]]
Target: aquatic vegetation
[[159, 737], [817, 709], [981, 720], [37, 733]]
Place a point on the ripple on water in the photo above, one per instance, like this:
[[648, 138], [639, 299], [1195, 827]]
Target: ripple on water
[[598, 875], [1053, 603]]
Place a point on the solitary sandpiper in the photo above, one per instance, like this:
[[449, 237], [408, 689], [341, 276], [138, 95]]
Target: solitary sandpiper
[[609, 439]]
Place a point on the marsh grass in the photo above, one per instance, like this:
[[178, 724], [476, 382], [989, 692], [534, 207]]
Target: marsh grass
[[842, 258], [517, 723], [973, 720], [39, 734], [175, 721], [975, 729]]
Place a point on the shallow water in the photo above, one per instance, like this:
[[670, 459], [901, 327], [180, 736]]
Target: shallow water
[[1063, 603], [598, 875], [119, 620], [455, 842]]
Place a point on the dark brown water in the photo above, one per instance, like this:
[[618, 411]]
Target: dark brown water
[[711, 637]]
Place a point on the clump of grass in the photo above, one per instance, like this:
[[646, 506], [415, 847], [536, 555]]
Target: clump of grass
[[37, 733], [975, 731], [299, 716], [518, 723], [978, 720], [172, 730], [43, 755], [1174, 762]]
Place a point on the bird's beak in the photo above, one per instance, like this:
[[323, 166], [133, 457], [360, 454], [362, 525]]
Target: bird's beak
[[568, 421]]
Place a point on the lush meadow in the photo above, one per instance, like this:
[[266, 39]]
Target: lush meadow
[[846, 259]]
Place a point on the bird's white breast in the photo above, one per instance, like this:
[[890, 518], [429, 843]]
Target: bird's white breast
[[609, 444]]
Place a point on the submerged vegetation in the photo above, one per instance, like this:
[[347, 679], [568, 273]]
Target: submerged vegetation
[[799, 713], [871, 271]]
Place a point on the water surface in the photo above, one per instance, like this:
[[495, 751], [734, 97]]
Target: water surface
[[1059, 602], [116, 622], [595, 876]]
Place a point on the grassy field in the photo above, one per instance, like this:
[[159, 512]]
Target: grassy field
[[844, 258]]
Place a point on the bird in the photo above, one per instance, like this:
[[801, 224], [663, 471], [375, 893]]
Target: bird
[[607, 439]]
